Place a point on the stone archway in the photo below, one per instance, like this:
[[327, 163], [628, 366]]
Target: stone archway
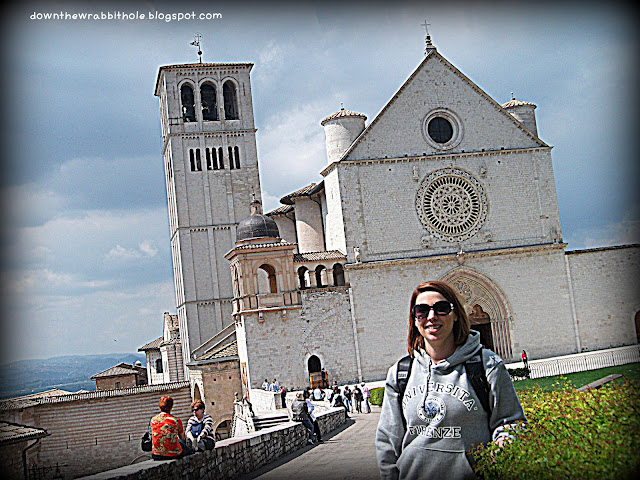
[[481, 293]]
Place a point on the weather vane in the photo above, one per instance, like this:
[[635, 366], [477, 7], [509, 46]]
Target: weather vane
[[196, 43]]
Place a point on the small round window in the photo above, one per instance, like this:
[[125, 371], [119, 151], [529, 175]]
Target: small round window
[[440, 130]]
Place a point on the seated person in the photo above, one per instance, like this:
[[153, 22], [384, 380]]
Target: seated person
[[200, 428], [167, 433]]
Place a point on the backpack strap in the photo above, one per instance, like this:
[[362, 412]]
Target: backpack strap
[[403, 372], [478, 379]]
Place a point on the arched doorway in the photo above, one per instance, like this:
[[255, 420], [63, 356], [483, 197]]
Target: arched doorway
[[478, 290], [314, 365], [481, 323], [223, 430]]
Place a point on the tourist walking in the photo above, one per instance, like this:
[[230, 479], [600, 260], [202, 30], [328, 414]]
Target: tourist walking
[[347, 398], [357, 398], [283, 396], [266, 384], [436, 411], [365, 396], [275, 386]]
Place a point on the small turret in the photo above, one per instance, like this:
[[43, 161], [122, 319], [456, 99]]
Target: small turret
[[524, 112], [340, 130]]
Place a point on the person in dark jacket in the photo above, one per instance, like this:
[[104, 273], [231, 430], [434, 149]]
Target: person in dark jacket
[[300, 413]]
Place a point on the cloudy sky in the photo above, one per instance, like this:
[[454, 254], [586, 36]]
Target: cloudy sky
[[87, 265]]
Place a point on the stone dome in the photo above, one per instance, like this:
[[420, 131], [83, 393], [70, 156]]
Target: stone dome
[[257, 226]]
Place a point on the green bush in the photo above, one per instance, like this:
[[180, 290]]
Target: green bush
[[519, 373], [571, 434], [377, 394]]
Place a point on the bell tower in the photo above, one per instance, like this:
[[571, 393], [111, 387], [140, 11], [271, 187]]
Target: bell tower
[[211, 171]]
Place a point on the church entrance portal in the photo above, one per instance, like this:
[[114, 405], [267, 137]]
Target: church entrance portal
[[490, 312], [481, 323]]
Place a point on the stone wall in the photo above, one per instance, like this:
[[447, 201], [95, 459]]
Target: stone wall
[[95, 431], [279, 346], [605, 285], [231, 458]]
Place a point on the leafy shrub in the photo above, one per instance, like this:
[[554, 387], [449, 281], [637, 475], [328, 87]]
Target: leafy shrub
[[519, 373], [571, 434], [377, 394]]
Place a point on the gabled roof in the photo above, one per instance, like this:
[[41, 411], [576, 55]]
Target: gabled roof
[[15, 433], [120, 369], [431, 54]]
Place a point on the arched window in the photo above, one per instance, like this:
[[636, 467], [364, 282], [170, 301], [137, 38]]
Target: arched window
[[188, 103], [321, 276], [338, 275], [159, 366], [231, 163], [230, 100], [220, 158], [209, 104], [267, 279], [196, 393], [303, 277], [236, 156], [314, 364], [195, 160]]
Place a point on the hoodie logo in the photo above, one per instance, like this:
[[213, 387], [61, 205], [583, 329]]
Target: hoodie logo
[[432, 411]]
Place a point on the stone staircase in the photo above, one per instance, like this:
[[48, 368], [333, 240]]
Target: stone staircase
[[270, 418]]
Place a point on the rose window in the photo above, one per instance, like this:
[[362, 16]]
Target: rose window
[[451, 204]]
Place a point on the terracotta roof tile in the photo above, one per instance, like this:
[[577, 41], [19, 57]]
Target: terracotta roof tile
[[228, 350], [120, 369], [303, 192], [152, 345], [14, 433], [14, 404], [281, 210], [341, 114], [517, 103]]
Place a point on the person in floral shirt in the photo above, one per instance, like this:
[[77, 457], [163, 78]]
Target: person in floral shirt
[[167, 433]]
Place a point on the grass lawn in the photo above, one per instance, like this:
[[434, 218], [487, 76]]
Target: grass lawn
[[580, 379]]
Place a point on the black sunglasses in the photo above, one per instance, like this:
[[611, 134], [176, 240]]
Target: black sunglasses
[[421, 310]]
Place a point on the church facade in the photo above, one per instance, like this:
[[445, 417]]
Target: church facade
[[444, 183]]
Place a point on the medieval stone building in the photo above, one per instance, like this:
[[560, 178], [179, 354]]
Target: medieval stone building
[[444, 183]]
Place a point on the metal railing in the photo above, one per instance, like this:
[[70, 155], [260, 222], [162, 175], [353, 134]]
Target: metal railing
[[581, 362]]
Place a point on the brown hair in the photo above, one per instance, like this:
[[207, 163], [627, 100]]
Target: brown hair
[[461, 328], [199, 404], [165, 404]]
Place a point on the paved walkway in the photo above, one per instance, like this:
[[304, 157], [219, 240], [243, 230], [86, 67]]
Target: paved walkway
[[348, 453]]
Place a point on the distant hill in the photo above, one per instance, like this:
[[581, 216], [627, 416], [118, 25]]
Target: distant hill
[[69, 372]]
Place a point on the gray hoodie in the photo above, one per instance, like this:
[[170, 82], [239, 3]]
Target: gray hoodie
[[443, 415]]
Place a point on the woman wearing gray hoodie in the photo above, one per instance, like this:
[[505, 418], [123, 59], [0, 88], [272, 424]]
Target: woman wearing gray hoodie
[[428, 432]]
